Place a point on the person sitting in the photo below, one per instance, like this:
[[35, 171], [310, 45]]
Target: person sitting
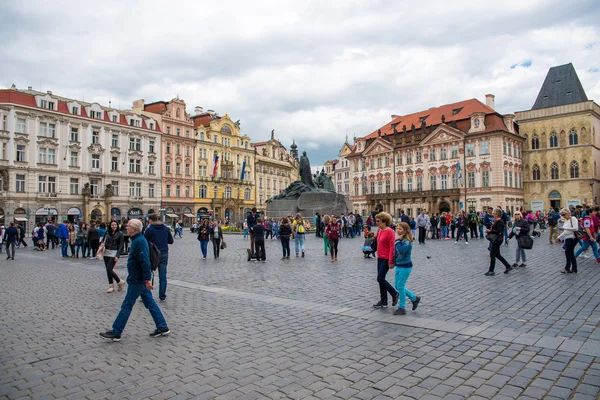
[[370, 245]]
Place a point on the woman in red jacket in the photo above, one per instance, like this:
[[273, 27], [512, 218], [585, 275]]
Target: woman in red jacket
[[385, 258]]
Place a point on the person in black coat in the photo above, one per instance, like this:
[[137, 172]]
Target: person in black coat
[[11, 237], [496, 235], [520, 229], [285, 232], [215, 234], [113, 247]]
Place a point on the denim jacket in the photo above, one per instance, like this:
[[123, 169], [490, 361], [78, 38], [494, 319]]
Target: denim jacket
[[403, 249]]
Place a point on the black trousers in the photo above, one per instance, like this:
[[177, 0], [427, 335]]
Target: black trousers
[[334, 247], [422, 233], [473, 229], [495, 253], [217, 247], [261, 254], [109, 263]]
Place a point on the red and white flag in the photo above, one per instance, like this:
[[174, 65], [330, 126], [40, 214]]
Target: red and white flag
[[216, 163]]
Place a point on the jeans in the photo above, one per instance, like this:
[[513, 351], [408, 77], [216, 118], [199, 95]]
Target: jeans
[[299, 242], [585, 245], [444, 232], [334, 247], [285, 245], [64, 244], [245, 233], [77, 247], [134, 291], [204, 247], [481, 235], [495, 253], [384, 286], [162, 275], [400, 279], [569, 254], [326, 245], [520, 255], [109, 263]]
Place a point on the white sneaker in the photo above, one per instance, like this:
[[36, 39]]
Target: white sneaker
[[466, 243], [585, 255], [455, 242]]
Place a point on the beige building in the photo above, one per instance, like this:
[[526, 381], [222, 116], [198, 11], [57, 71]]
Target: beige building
[[463, 155], [67, 159], [341, 170], [275, 169], [562, 149]]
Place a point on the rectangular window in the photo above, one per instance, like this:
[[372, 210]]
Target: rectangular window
[[42, 158], [43, 104], [20, 125], [115, 119], [431, 154], [485, 178], [177, 191], [96, 163], [433, 182], [115, 187], [419, 157], [454, 151], [52, 156], [74, 159], [419, 183], [95, 137], [187, 191], [178, 130], [372, 188], [471, 176], [151, 146], [409, 157], [114, 163], [74, 186], [20, 183], [409, 184], [504, 148], [41, 184], [74, 135], [178, 168], [94, 187], [400, 185], [470, 149], [455, 181], [443, 153], [168, 148], [444, 181], [168, 167], [151, 190], [505, 178], [114, 141], [132, 188], [510, 149], [484, 147], [138, 188], [187, 169], [51, 184], [51, 130], [43, 129], [510, 179], [151, 167]]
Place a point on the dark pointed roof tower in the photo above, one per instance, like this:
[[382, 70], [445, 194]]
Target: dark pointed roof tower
[[562, 86], [294, 150]]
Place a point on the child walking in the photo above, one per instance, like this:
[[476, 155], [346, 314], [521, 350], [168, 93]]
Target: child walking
[[403, 263], [370, 242]]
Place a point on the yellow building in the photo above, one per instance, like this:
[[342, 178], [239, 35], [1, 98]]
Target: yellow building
[[562, 151], [275, 169], [222, 192]]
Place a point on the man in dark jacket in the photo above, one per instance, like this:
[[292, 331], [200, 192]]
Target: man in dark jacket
[[11, 235], [160, 234], [139, 284], [21, 241], [50, 232]]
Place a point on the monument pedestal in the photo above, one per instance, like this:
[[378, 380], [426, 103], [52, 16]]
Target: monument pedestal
[[308, 204]]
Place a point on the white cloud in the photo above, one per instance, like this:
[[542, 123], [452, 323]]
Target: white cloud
[[314, 71]]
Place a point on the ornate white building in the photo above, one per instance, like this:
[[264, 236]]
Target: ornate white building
[[458, 156], [68, 159]]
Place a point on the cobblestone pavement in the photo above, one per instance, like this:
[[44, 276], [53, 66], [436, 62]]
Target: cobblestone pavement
[[304, 328]]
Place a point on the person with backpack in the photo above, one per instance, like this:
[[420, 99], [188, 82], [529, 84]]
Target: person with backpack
[[269, 229], [139, 284], [299, 234], [403, 264], [473, 225], [113, 245], [332, 231], [160, 235], [285, 232], [553, 218], [589, 236]]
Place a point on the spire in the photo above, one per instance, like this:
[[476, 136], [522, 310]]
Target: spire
[[561, 86], [273, 134]]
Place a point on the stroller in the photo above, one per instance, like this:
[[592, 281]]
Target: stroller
[[535, 233]]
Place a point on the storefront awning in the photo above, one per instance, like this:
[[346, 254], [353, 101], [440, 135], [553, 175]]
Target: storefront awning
[[21, 219], [190, 215], [172, 215]]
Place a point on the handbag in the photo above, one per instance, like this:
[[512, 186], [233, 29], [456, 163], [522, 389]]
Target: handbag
[[525, 242], [492, 237], [223, 245], [100, 252]]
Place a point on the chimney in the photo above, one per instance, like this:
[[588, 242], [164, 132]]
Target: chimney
[[198, 110], [394, 116], [489, 101], [49, 92], [138, 104], [509, 121], [29, 88]]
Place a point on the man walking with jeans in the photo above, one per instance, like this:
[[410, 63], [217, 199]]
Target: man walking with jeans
[[63, 235], [138, 284], [159, 234]]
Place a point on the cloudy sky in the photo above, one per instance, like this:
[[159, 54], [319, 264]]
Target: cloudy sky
[[315, 71]]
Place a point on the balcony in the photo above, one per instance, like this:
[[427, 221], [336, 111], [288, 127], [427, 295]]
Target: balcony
[[45, 196], [414, 194], [96, 170]]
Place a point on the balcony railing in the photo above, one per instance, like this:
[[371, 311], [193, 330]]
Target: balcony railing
[[96, 170], [414, 194], [42, 195]]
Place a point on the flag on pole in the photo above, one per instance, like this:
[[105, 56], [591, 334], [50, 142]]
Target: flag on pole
[[458, 171], [216, 163], [243, 174]]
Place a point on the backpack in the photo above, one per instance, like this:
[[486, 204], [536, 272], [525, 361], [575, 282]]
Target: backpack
[[552, 220], [413, 224], [300, 227], [154, 256], [269, 225]]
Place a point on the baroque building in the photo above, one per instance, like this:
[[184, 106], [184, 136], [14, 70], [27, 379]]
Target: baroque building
[[178, 161], [562, 150], [224, 181], [65, 159], [463, 155], [275, 168], [341, 170]]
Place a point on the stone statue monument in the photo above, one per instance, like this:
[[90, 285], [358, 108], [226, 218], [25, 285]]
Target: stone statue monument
[[307, 197]]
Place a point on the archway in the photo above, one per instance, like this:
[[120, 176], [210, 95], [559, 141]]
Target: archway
[[229, 215], [444, 206], [96, 215], [554, 197]]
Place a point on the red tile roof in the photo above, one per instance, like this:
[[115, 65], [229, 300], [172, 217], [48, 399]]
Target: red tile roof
[[202, 119], [157, 108], [434, 116], [28, 100]]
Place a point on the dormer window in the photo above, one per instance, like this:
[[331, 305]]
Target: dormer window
[[115, 119], [48, 105], [95, 114], [151, 126], [456, 110], [75, 111]]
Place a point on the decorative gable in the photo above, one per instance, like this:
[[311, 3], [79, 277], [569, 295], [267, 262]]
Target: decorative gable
[[443, 134], [378, 146]]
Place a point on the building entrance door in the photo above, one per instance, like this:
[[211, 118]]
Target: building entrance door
[[555, 203]]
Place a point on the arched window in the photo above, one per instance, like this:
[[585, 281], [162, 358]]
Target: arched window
[[203, 191], [227, 192], [574, 169], [247, 194], [535, 142], [553, 139], [554, 171], [536, 172], [573, 139]]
